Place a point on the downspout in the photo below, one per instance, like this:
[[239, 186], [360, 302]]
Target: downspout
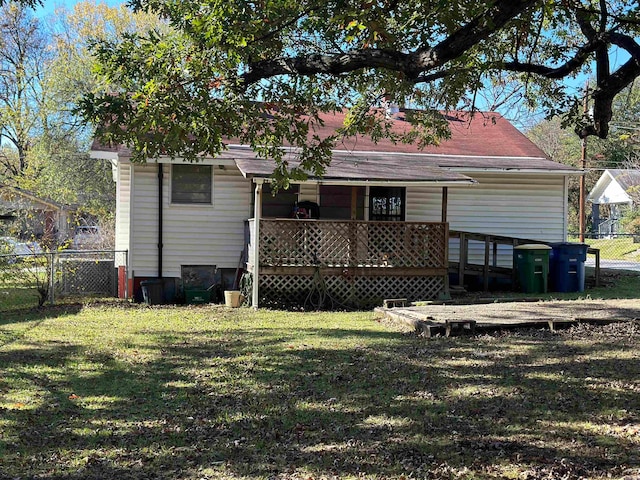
[[257, 213], [160, 215]]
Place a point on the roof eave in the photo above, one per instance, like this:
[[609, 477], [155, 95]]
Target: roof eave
[[374, 182], [103, 155], [517, 170]]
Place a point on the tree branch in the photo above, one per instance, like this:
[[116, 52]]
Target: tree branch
[[570, 66], [411, 64], [478, 29], [603, 97], [330, 64]]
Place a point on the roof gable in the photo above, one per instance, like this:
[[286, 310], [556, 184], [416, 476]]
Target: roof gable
[[626, 178], [612, 186]]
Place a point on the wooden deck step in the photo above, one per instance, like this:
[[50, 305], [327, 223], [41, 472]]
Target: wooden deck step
[[460, 326], [561, 322], [394, 302]]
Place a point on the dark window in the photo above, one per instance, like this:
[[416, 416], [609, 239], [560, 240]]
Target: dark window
[[386, 204], [191, 184], [281, 205]]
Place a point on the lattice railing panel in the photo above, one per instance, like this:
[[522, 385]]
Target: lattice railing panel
[[304, 291], [353, 243]]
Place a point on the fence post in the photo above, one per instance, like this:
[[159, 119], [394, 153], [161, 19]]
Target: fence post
[[52, 271]]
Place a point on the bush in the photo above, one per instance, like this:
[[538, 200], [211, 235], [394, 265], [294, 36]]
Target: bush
[[631, 222]]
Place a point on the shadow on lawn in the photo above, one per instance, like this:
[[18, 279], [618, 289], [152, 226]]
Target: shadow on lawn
[[263, 403], [15, 324]]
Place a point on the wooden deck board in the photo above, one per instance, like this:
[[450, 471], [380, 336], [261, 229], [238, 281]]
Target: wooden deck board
[[432, 320]]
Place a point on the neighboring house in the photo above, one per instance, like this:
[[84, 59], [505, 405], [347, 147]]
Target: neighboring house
[[44, 219], [613, 189], [384, 211]]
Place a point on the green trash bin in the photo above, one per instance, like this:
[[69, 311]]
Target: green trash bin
[[531, 262], [197, 295]]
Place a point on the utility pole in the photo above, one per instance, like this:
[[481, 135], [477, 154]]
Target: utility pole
[[583, 165]]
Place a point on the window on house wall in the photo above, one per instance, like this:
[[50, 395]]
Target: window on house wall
[[387, 204], [192, 184]]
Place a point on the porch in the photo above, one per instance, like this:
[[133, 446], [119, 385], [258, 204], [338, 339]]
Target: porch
[[346, 263]]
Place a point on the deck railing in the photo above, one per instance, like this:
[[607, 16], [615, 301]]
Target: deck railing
[[348, 243], [488, 265]]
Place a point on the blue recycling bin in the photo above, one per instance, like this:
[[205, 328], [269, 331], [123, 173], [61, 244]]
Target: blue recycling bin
[[566, 266]]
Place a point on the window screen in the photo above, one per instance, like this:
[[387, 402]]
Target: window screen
[[191, 184]]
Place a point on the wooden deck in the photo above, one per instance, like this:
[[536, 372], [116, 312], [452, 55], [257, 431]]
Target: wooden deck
[[444, 320], [353, 262]]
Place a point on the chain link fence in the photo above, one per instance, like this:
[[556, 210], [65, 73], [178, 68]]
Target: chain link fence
[[618, 251], [28, 280]]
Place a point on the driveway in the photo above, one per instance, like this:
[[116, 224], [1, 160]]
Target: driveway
[[614, 264]]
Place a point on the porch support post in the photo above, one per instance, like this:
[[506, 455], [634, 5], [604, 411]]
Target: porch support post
[[354, 202], [445, 200], [257, 214]]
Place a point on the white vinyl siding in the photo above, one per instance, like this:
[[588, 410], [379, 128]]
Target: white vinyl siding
[[612, 193], [143, 261], [507, 204], [309, 192], [123, 208], [192, 234]]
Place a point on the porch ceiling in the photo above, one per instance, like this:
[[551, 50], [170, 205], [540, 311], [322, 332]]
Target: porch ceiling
[[361, 169]]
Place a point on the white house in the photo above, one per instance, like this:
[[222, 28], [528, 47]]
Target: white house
[[613, 188], [381, 214]]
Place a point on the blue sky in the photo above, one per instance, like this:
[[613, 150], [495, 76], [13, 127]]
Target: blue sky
[[50, 6]]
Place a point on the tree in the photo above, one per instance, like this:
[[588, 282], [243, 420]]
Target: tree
[[23, 62], [620, 150], [26, 3], [42, 137], [46, 68], [228, 65]]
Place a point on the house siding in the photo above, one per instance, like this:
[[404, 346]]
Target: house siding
[[192, 234], [508, 204], [309, 192], [123, 209]]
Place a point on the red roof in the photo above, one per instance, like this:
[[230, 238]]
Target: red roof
[[485, 134]]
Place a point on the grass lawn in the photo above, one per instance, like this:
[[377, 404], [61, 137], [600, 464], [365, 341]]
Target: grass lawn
[[621, 248], [12, 297], [101, 392]]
